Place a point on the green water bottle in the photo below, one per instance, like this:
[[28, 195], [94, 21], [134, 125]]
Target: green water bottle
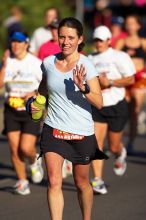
[[39, 102]]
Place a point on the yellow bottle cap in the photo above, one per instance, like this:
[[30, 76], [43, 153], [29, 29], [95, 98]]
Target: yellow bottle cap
[[41, 99]]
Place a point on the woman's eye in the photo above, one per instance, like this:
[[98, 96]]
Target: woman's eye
[[71, 38]]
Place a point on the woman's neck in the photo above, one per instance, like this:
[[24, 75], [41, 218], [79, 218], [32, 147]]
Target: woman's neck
[[134, 35], [71, 58]]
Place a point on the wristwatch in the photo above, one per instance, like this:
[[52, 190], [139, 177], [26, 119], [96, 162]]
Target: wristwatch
[[87, 89]]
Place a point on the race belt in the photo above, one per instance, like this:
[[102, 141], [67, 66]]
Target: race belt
[[65, 135]]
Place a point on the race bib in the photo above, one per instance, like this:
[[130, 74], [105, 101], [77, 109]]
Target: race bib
[[17, 103], [65, 135]]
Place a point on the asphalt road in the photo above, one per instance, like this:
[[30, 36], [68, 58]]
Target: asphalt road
[[126, 198]]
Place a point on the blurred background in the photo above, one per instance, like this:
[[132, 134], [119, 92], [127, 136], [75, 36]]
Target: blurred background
[[91, 12]]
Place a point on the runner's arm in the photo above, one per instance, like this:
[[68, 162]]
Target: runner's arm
[[3, 68], [94, 97], [123, 82]]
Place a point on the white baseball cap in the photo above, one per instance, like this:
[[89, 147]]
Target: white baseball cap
[[102, 32]]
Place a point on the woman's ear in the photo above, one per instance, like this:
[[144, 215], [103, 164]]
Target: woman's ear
[[109, 42], [81, 39]]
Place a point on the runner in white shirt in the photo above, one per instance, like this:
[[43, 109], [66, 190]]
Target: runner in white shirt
[[116, 70], [21, 75]]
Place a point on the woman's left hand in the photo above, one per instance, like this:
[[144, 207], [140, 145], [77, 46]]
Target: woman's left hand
[[79, 76]]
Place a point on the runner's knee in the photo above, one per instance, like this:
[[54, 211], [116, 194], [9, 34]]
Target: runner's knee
[[55, 182]]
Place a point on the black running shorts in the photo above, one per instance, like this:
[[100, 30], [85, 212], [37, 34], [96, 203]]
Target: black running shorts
[[115, 116], [76, 151], [19, 121]]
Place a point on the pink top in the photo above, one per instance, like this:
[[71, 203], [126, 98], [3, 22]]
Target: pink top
[[48, 48], [140, 3], [114, 40]]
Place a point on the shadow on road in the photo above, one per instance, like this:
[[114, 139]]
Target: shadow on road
[[8, 189], [65, 185], [5, 166], [137, 162], [137, 157], [7, 176], [68, 186], [141, 154]]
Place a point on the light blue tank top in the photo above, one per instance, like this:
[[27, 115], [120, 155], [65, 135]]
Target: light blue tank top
[[68, 109]]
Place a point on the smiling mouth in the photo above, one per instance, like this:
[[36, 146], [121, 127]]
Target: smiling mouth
[[65, 48]]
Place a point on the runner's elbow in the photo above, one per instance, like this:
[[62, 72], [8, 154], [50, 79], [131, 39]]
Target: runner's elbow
[[99, 104]]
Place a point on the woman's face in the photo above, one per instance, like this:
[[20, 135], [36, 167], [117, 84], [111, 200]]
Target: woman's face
[[19, 48], [69, 40], [132, 26], [50, 16], [101, 46]]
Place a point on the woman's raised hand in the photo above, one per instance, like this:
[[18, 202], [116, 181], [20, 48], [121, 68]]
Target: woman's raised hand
[[79, 76]]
